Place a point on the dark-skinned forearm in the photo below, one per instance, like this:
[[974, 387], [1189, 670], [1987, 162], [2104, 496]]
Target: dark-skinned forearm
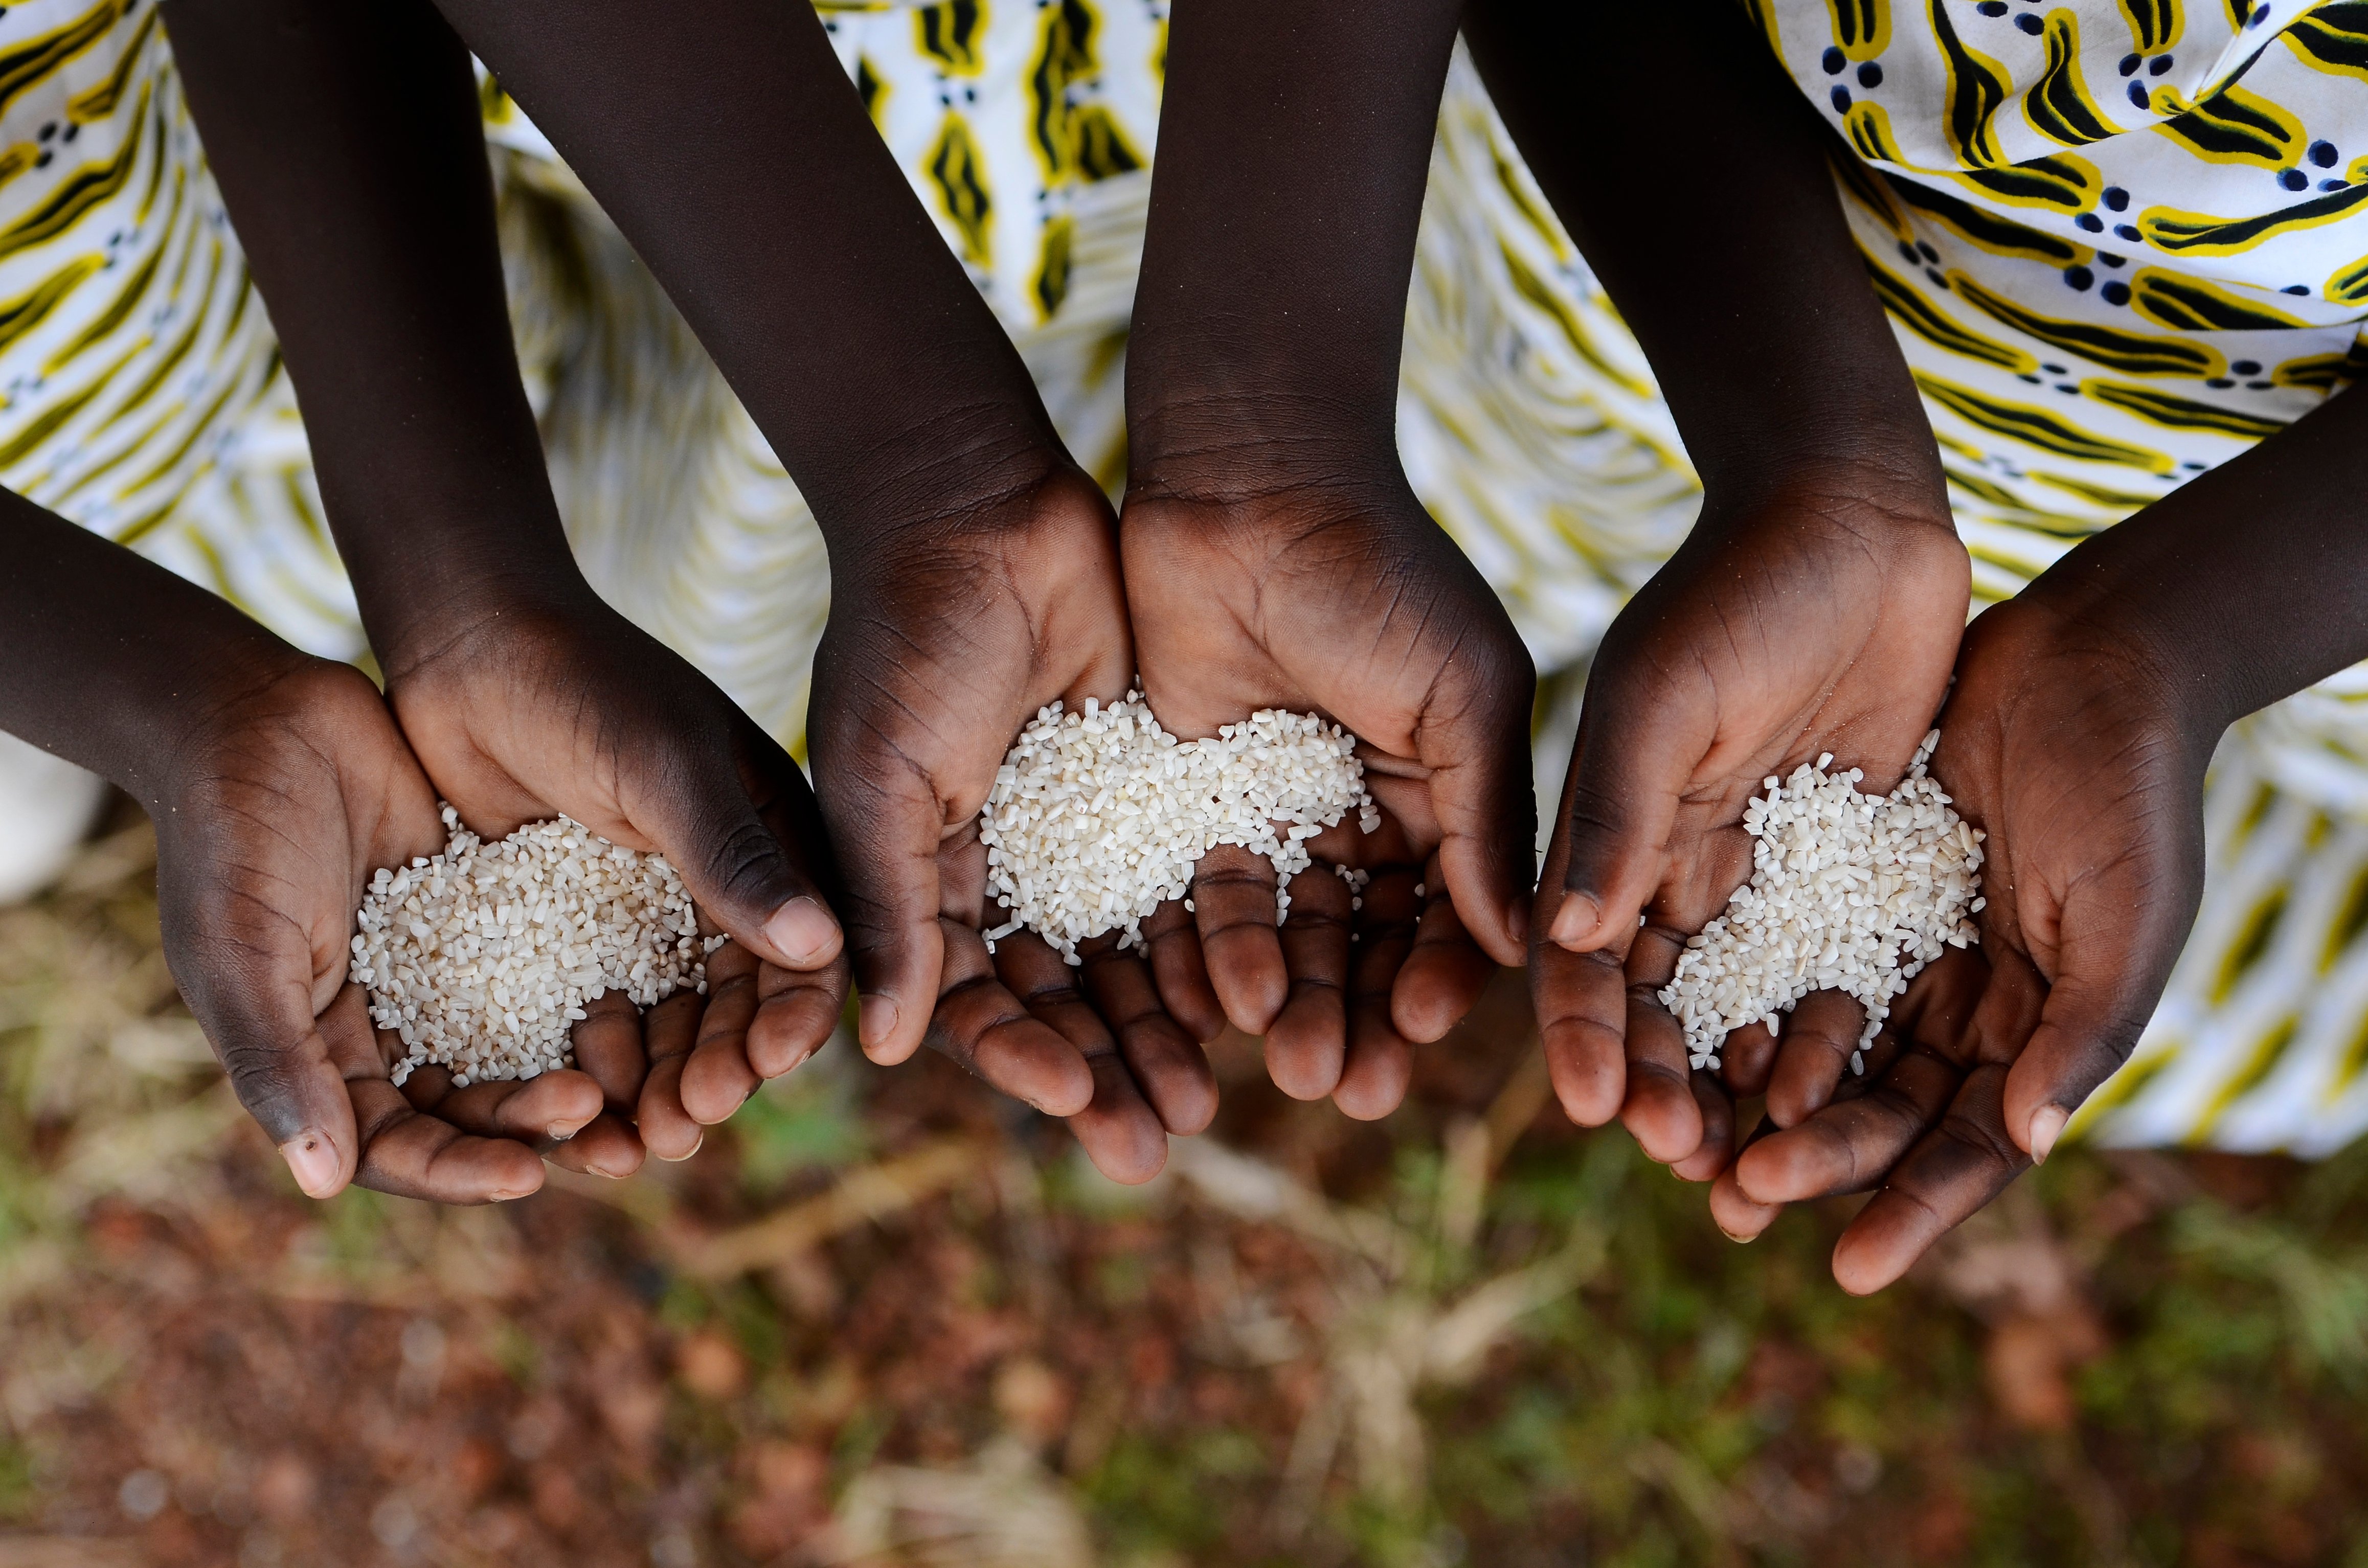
[[348, 145], [107, 659], [1767, 339], [1294, 149], [737, 158], [2247, 582]]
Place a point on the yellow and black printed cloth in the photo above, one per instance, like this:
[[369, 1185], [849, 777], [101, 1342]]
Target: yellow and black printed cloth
[[2117, 239]]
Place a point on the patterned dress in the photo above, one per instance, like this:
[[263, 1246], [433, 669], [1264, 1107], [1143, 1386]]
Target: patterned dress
[[143, 397]]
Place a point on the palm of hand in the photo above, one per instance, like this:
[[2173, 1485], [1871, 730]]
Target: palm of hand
[[1774, 636], [935, 658], [571, 709], [1361, 609], [287, 803], [2065, 744]]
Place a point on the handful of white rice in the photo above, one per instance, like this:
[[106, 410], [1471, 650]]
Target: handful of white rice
[[1098, 817], [1848, 893], [482, 956]]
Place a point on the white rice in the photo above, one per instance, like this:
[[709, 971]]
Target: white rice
[[1848, 893], [482, 958], [1098, 817]]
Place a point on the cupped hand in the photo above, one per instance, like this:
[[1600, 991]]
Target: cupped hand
[[285, 796], [1348, 600], [2069, 741], [533, 705], [1809, 618], [941, 646]]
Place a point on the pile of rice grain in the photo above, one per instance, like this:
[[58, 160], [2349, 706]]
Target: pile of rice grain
[[482, 958], [1097, 817], [1848, 893]]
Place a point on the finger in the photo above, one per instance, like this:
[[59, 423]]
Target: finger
[[1307, 1044], [1581, 1000], [1849, 1146], [2119, 943], [546, 1113], [669, 1034], [885, 822], [1117, 1129], [717, 1078], [1628, 770], [982, 1023], [402, 1151], [1475, 737], [1233, 903], [1746, 1058], [709, 821], [1813, 1054], [608, 1045], [1167, 1064], [796, 1015], [1661, 1111], [608, 1146], [1444, 973], [411, 1155], [548, 1108], [1172, 943], [1734, 1210], [1954, 1170], [1716, 1150]]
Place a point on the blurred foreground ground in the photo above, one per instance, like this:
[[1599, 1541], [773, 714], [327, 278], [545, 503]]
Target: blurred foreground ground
[[884, 1319]]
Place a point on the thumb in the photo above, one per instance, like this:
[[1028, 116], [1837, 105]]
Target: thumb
[[1619, 809], [709, 824], [885, 823], [280, 1065], [2120, 941], [1486, 798]]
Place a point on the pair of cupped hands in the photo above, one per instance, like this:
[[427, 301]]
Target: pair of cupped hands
[[1825, 613]]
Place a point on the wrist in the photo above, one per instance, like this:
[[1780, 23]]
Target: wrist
[[260, 681], [2183, 664], [960, 500], [447, 601], [1252, 447]]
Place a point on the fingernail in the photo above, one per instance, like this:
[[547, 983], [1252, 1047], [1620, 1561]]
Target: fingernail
[[677, 1159], [875, 1021], [560, 1131], [313, 1159], [1576, 920], [1517, 917], [1730, 1235], [2046, 1127], [802, 932]]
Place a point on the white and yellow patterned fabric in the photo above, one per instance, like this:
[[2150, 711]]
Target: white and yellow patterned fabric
[[140, 391], [142, 395]]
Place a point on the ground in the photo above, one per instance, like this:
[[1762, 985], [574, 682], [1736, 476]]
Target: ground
[[883, 1318]]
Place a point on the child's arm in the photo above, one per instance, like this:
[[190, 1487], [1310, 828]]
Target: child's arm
[[278, 784], [1275, 554], [347, 142], [1817, 604], [2086, 710]]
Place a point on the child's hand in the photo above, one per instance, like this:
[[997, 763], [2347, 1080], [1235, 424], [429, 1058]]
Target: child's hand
[[1349, 601], [547, 703], [2071, 743], [1812, 618], [280, 801], [943, 643]]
